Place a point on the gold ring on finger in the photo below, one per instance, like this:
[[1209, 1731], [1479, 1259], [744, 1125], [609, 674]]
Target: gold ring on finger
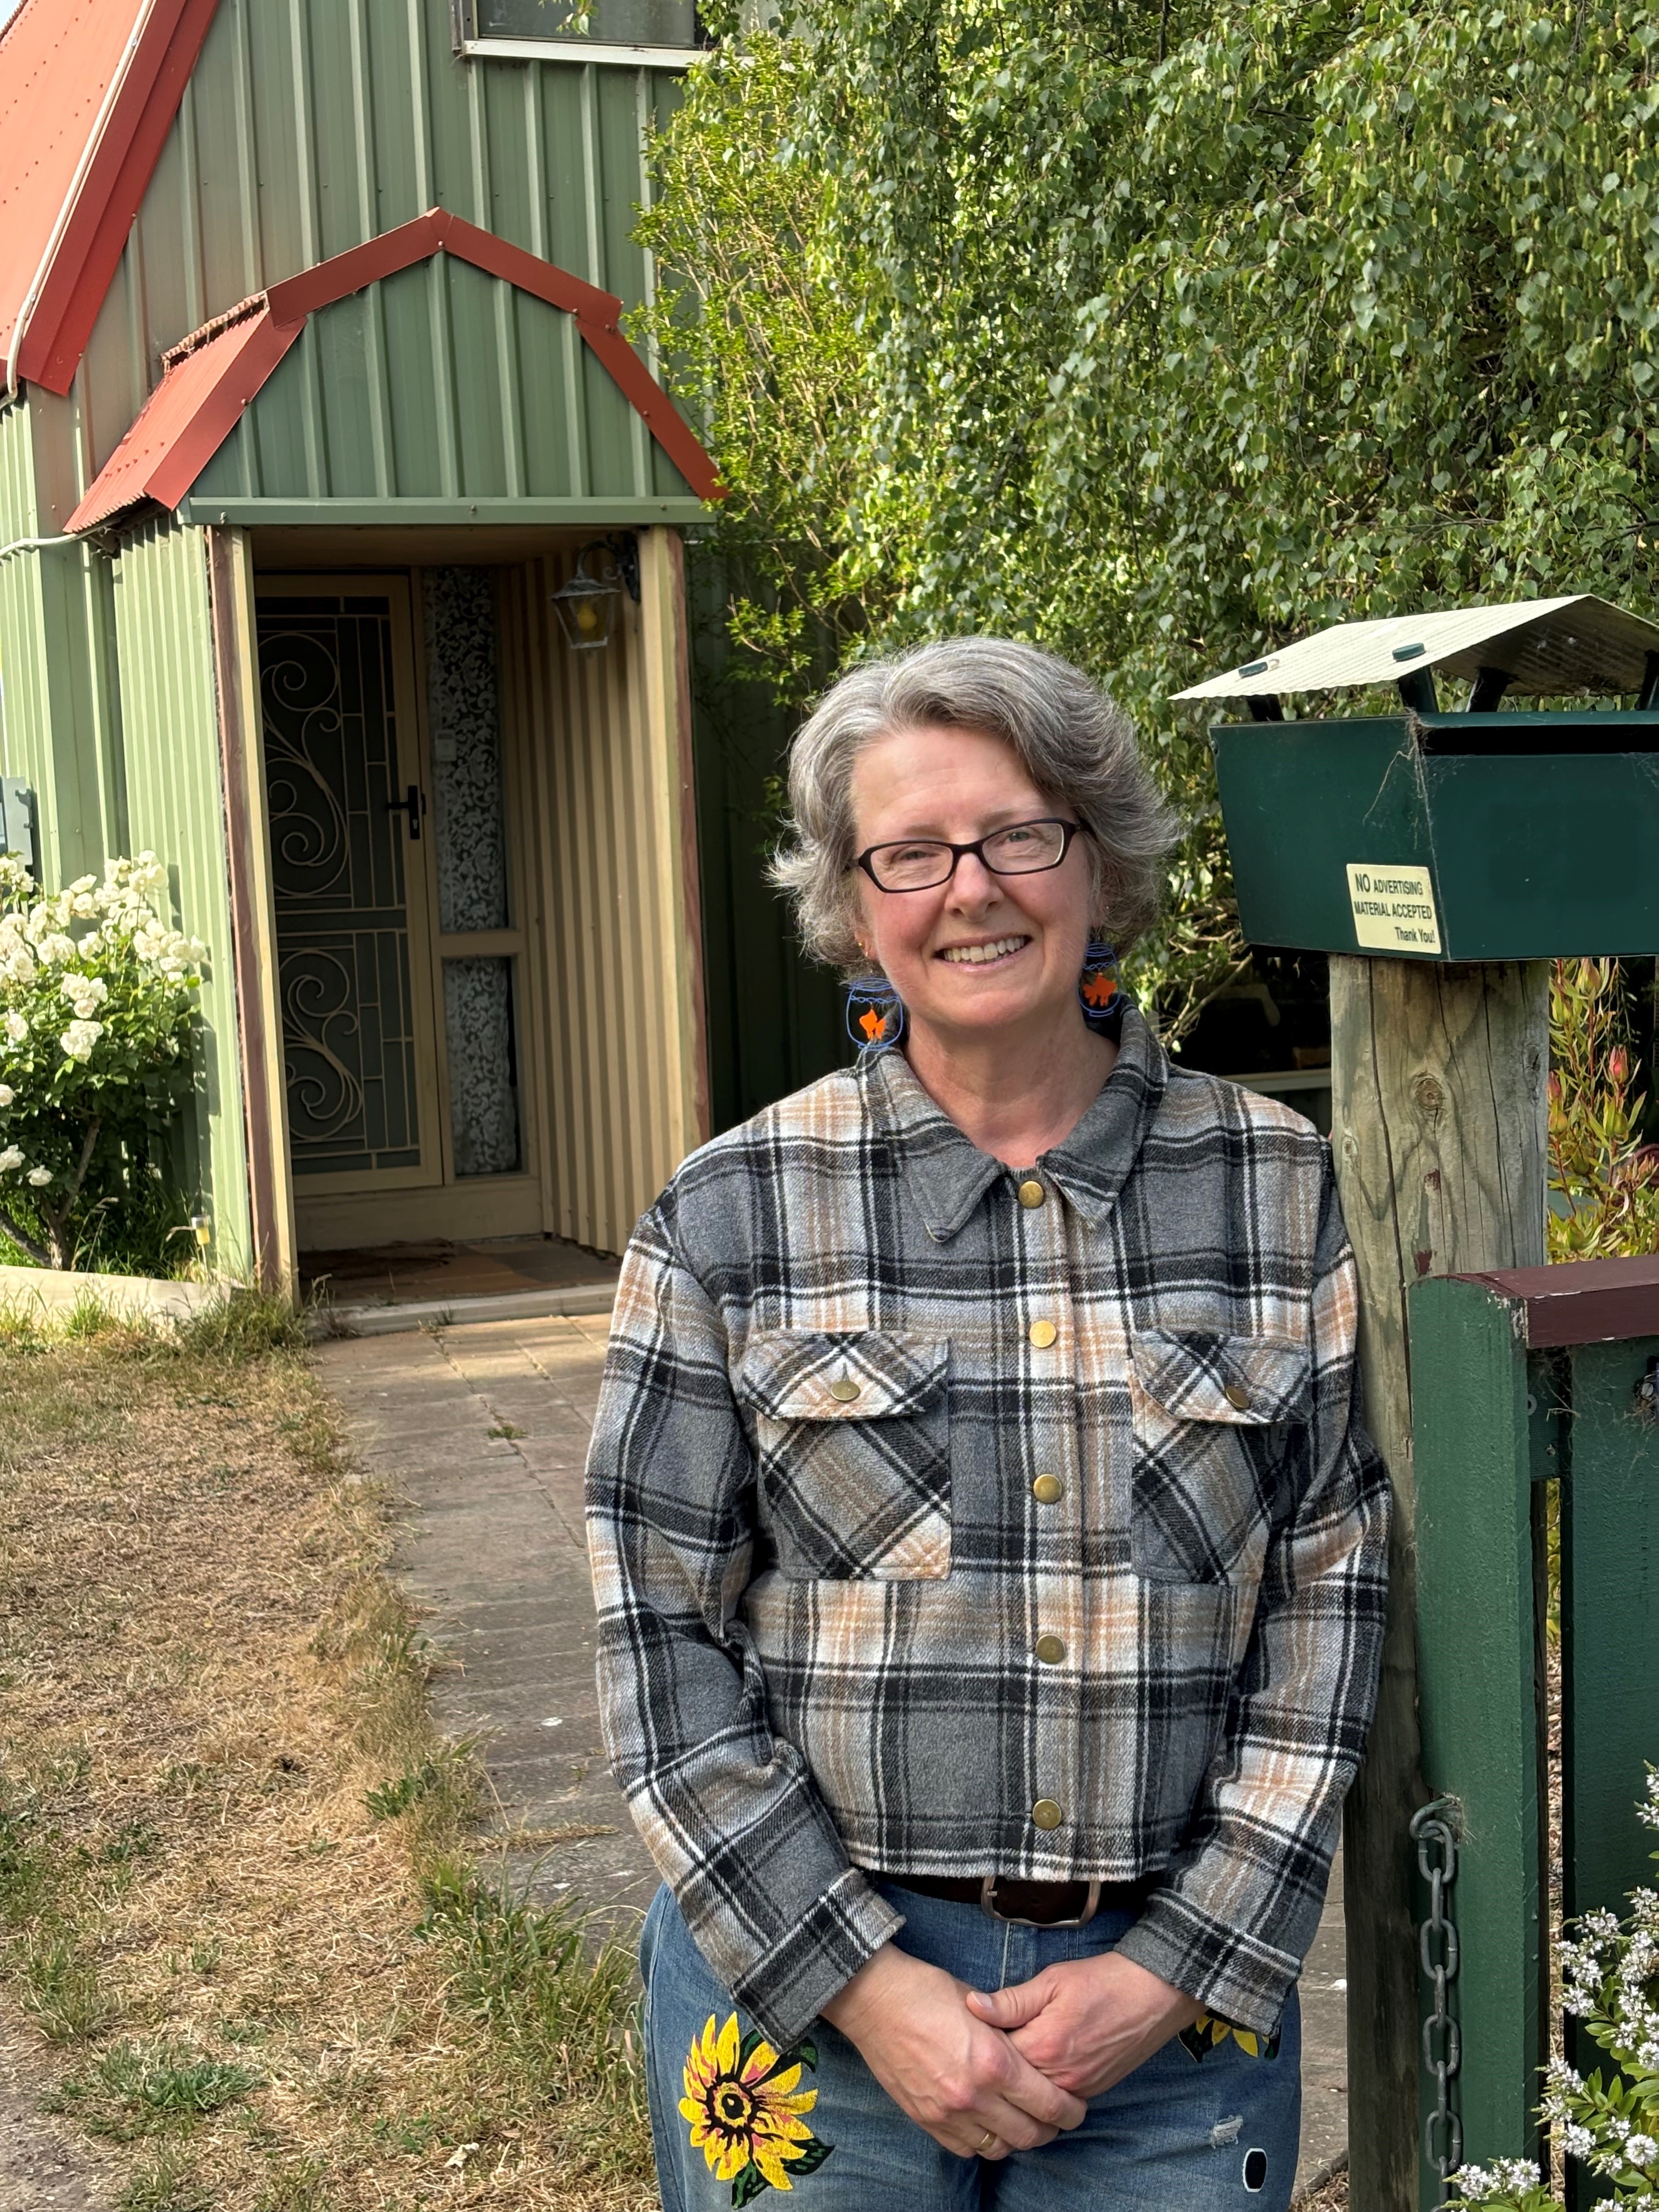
[[987, 2141]]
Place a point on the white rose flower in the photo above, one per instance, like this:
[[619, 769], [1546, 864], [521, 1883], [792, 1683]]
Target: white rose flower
[[7, 1094], [81, 884], [17, 1028], [40, 1177], [9, 1159], [79, 1038], [56, 948]]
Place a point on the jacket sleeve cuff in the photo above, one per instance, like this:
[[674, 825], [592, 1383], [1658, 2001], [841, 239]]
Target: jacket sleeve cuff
[[1238, 1978], [788, 1987]]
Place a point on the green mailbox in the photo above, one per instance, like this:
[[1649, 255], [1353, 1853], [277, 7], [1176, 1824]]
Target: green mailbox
[[1487, 834]]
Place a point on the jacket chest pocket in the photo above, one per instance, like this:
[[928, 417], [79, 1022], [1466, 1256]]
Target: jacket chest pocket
[[1208, 1414], [853, 1436]]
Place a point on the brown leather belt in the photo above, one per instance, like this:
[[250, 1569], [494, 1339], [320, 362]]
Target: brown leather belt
[[1029, 1904]]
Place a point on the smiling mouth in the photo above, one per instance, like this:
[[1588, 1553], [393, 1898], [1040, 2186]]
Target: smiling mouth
[[982, 956]]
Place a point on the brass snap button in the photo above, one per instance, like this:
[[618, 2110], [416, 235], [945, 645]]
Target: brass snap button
[[1238, 1397], [1050, 1650], [1046, 1813], [1042, 1334], [844, 1388], [1032, 1193], [1048, 1490]]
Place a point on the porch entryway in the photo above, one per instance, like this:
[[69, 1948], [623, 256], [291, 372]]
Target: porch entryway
[[397, 901], [469, 866]]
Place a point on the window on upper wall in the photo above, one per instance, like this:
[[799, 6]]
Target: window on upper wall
[[616, 28]]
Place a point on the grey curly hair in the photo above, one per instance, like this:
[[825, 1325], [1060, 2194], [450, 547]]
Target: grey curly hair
[[1075, 746]]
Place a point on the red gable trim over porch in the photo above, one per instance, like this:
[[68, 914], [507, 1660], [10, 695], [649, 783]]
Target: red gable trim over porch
[[88, 91], [214, 375]]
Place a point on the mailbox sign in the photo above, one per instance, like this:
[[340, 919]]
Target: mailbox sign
[[1393, 908]]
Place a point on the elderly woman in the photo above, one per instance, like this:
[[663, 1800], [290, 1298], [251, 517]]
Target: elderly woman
[[989, 1557]]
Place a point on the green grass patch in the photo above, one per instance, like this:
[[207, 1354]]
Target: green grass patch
[[135, 2089]]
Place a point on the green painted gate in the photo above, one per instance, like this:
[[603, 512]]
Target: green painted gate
[[1523, 1379]]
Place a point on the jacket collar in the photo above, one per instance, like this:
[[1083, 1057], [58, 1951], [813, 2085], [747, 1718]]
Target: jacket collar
[[947, 1175]]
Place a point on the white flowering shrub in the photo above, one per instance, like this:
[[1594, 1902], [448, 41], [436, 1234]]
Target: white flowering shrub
[[97, 998], [1610, 1971]]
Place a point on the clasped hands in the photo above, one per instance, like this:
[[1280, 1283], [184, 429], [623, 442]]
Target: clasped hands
[[988, 2072]]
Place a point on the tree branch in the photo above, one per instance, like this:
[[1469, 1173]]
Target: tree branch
[[92, 1127], [58, 1217], [23, 1240]]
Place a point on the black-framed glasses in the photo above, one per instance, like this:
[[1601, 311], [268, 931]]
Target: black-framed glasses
[[920, 863]]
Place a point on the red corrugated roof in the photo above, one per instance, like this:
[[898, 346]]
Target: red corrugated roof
[[213, 374], [89, 90], [190, 414]]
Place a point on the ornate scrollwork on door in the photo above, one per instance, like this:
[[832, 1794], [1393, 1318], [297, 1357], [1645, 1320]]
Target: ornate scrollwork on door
[[319, 1013], [337, 876], [299, 680]]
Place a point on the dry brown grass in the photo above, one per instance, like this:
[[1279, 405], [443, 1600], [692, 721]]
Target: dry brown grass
[[204, 1675], [1332, 2198]]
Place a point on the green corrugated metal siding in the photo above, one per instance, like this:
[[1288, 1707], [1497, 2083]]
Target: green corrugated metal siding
[[440, 383], [775, 1018], [310, 125], [55, 615], [175, 797], [25, 720]]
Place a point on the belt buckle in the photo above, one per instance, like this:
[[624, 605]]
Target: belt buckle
[[987, 1902]]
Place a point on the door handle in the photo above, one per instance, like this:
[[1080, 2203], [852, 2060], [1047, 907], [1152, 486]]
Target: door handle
[[414, 806]]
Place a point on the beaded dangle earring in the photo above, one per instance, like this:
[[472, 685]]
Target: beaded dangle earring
[[875, 1015], [1097, 989]]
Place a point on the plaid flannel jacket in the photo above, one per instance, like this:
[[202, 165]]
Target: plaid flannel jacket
[[949, 1520]]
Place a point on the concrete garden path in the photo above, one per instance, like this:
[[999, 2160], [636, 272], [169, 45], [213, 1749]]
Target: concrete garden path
[[483, 1430]]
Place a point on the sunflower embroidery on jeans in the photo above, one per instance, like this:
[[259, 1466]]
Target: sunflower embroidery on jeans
[[745, 2109], [1207, 2032]]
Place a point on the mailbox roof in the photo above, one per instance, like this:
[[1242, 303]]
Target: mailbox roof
[[1580, 643]]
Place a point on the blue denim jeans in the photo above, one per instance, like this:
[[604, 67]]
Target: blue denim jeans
[[1180, 2134]]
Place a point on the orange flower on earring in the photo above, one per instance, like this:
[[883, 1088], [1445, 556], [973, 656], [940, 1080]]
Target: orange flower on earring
[[745, 2107]]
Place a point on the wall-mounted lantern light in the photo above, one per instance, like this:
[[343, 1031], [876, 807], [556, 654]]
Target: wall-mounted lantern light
[[587, 604]]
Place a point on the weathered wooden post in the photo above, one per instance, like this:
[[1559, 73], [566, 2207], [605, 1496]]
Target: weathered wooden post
[[1440, 858], [1437, 1078]]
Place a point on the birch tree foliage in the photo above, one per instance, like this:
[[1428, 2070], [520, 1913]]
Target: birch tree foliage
[[1163, 332]]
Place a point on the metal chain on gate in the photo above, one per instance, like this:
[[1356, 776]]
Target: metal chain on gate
[[1442, 2044]]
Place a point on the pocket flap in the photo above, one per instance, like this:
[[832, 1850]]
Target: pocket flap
[[1201, 1374], [860, 1374]]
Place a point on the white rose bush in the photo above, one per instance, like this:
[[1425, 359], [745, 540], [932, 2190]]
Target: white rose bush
[[97, 1002], [1610, 1972]]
